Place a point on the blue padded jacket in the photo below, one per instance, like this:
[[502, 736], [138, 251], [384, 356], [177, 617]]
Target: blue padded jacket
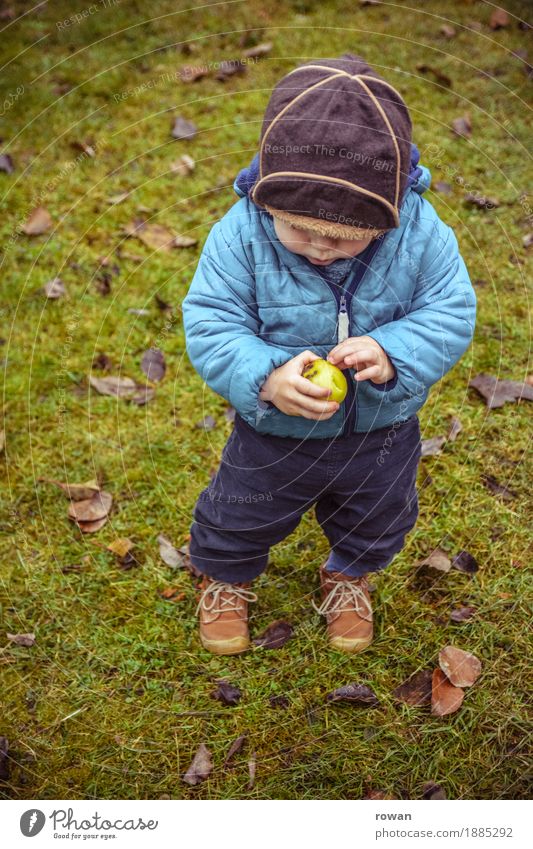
[[253, 305]]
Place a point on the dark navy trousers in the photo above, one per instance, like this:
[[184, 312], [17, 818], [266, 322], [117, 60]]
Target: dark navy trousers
[[363, 489]]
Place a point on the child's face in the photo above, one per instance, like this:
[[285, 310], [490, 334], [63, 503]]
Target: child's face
[[320, 250]]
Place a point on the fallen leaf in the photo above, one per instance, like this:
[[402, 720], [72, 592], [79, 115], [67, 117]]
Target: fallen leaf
[[229, 414], [92, 527], [6, 163], [183, 129], [498, 488], [201, 766], [75, 491], [443, 188], [433, 791], [377, 795], [91, 509], [230, 67], [184, 242], [85, 147], [465, 562], [278, 702], [455, 429], [26, 640], [2, 440], [153, 364], [102, 362], [448, 31], [142, 395], [438, 559], [480, 201], [462, 126], [226, 693], [461, 668], [192, 73], [252, 764], [235, 747], [432, 447], [141, 311], [114, 200], [39, 222], [182, 166], [445, 698], [207, 423], [117, 387], [4, 759], [356, 694], [527, 240], [498, 392], [275, 635], [499, 19], [155, 236], [416, 690], [172, 594], [259, 50], [120, 547], [462, 614], [168, 554], [442, 78]]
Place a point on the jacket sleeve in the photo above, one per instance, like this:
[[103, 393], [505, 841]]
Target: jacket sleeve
[[425, 343], [222, 327]]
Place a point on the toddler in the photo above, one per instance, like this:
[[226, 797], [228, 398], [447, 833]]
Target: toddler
[[333, 253]]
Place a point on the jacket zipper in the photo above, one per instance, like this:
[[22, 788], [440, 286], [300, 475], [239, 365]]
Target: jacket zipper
[[343, 328]]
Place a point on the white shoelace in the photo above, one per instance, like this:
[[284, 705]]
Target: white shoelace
[[345, 592], [216, 588]]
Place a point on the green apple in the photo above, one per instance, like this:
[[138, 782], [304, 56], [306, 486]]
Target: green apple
[[322, 373]]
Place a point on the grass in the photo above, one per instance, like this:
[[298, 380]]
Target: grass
[[114, 698]]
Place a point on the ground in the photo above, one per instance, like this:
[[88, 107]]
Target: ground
[[113, 699]]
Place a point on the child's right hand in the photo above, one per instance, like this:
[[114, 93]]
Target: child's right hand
[[295, 395]]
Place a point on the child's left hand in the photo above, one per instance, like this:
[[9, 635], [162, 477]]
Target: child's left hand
[[365, 355]]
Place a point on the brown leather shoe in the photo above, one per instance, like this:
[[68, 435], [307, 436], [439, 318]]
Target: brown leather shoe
[[223, 612], [348, 610]]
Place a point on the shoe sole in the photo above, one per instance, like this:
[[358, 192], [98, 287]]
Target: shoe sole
[[350, 646], [236, 645]]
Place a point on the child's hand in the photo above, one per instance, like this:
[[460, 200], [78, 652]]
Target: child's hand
[[296, 395], [363, 354]]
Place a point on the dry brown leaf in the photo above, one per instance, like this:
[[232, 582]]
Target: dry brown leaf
[[121, 546], [438, 559], [184, 242], [26, 640], [156, 236], [499, 19], [455, 429], [117, 387], [54, 289], [201, 766], [259, 50], [445, 698], [498, 392], [182, 166], [460, 667], [91, 509], [39, 222], [183, 129], [168, 553], [275, 635], [235, 747], [448, 31], [75, 491], [433, 446], [462, 614], [114, 200], [153, 364], [356, 694], [92, 527], [2, 440], [462, 126], [416, 690]]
